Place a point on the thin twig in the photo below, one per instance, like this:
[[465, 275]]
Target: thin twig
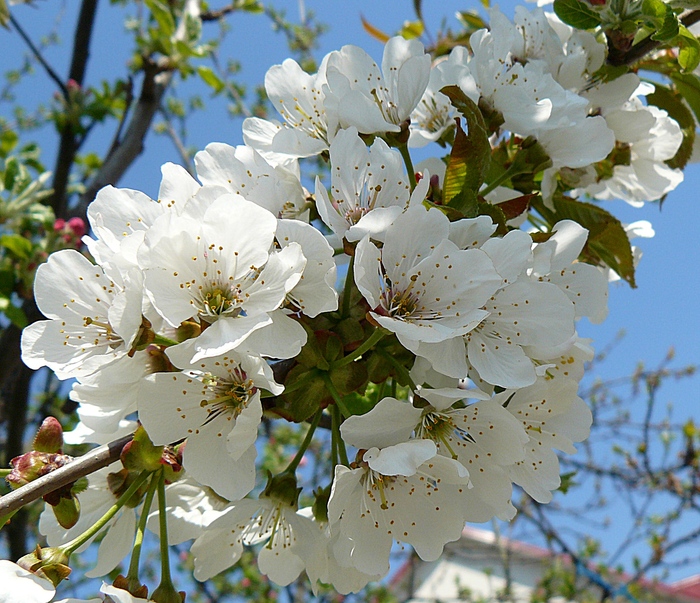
[[215, 15], [177, 142], [35, 51], [85, 465]]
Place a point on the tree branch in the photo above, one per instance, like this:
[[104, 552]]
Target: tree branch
[[69, 145], [647, 45], [85, 465], [122, 155]]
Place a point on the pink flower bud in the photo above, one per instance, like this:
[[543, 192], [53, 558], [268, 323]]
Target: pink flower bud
[[77, 225]]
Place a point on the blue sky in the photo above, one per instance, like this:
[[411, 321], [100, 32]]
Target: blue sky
[[663, 311]]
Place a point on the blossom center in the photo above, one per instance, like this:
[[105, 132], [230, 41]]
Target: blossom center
[[388, 108], [400, 303], [220, 301], [441, 429], [231, 396], [102, 331]]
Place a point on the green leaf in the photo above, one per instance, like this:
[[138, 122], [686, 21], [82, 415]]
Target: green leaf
[[163, 17], [8, 141], [576, 13], [669, 27], [688, 84], [607, 240], [418, 8], [655, 9], [4, 14], [7, 282], [567, 481], [357, 404], [250, 6], [211, 79], [12, 169], [412, 29], [471, 21], [469, 160], [689, 49], [664, 98], [17, 245], [496, 214]]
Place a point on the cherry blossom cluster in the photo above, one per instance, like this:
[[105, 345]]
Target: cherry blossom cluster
[[215, 306]]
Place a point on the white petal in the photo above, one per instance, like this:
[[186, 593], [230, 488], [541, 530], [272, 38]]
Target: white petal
[[401, 459], [390, 422]]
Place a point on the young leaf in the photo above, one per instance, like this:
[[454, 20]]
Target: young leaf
[[470, 157], [670, 27], [411, 29], [17, 245], [689, 49], [576, 13], [163, 16], [377, 34], [210, 78]]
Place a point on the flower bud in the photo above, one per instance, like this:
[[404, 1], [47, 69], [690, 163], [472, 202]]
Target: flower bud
[[49, 438], [67, 512]]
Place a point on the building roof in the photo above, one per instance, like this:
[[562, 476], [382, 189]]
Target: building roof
[[468, 558]]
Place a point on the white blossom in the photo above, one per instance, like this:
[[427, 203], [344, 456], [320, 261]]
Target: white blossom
[[217, 407], [92, 320], [377, 101], [420, 285]]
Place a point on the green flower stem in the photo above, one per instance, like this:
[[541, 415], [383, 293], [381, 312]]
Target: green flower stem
[[334, 440], [305, 444], [160, 340], [140, 530], [368, 344], [70, 547], [403, 149], [339, 443], [400, 368], [513, 170], [165, 580], [336, 395], [347, 290], [5, 472]]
